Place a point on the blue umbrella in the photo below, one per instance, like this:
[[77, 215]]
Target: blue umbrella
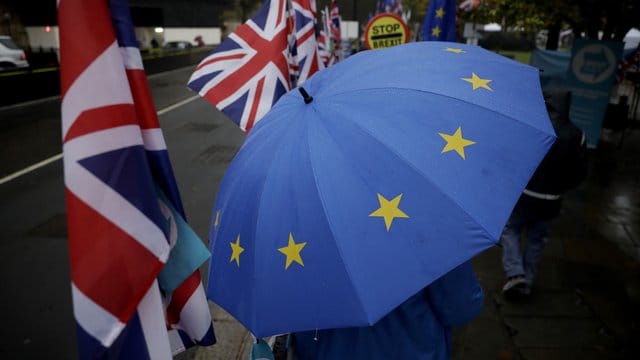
[[385, 172]]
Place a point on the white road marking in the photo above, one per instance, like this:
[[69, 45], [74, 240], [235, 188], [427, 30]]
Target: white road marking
[[57, 157]]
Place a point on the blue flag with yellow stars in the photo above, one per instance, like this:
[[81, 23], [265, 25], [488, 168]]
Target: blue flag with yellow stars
[[440, 21]]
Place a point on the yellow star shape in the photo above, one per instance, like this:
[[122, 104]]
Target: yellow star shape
[[389, 210], [292, 251], [216, 222], [478, 82], [440, 13], [236, 250], [454, 50], [456, 142], [435, 31]]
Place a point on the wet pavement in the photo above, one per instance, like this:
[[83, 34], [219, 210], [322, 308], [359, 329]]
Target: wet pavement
[[585, 303]]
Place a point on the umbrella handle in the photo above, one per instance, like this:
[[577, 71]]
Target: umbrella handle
[[305, 95]]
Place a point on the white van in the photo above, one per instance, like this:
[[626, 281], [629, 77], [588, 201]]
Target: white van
[[11, 56]]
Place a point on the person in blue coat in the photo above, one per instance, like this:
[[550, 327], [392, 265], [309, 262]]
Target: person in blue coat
[[420, 328]]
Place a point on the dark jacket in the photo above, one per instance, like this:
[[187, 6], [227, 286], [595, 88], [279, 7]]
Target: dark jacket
[[420, 328], [564, 166]]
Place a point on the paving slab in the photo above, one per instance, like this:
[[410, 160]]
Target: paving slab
[[485, 337], [234, 341], [569, 354], [567, 304], [558, 333], [612, 310]]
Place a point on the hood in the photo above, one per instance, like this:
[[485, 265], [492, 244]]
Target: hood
[[558, 103]]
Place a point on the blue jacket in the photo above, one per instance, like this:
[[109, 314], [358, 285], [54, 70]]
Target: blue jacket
[[420, 328]]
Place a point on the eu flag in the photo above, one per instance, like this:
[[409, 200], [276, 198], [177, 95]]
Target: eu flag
[[440, 21], [341, 206]]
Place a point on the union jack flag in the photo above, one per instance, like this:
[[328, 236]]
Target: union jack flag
[[324, 47], [630, 62], [468, 5], [389, 6], [123, 206], [334, 27], [394, 7], [307, 58], [246, 74]]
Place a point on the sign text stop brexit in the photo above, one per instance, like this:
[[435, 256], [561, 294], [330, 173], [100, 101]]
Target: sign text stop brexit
[[386, 30]]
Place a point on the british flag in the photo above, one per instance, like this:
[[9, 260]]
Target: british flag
[[325, 44], [324, 48], [122, 200], [307, 58], [394, 7], [468, 5], [389, 6], [246, 74], [334, 28], [629, 63]]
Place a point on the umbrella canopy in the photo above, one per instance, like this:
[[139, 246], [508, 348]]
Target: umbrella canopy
[[399, 165]]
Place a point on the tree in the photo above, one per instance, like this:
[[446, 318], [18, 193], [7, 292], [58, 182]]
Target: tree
[[594, 19]]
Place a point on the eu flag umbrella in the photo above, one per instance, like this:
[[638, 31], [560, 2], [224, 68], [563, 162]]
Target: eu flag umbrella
[[385, 172]]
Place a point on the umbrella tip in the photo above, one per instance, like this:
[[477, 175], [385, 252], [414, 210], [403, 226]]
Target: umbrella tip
[[305, 95]]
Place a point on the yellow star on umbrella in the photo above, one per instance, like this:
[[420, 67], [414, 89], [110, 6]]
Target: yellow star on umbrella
[[440, 13], [236, 250], [292, 251], [456, 142], [454, 50], [478, 82], [389, 210], [435, 31]]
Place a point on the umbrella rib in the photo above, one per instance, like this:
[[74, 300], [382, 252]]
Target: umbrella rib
[[423, 175], [260, 202], [434, 93], [326, 214]]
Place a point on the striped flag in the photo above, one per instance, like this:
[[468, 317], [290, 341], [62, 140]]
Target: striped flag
[[334, 29], [124, 211], [468, 5], [246, 74], [326, 47], [306, 57], [393, 7], [188, 316]]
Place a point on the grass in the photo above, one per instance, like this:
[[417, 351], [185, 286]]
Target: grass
[[520, 56]]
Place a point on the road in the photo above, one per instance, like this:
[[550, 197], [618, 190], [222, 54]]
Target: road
[[36, 308]]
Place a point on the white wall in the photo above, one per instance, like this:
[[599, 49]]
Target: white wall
[[39, 37], [348, 29], [144, 36], [210, 36]]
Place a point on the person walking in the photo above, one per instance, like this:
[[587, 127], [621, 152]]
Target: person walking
[[562, 169]]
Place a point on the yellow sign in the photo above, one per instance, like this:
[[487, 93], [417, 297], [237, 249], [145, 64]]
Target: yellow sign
[[385, 30]]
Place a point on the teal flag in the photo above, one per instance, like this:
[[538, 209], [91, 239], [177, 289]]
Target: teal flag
[[261, 351], [188, 251], [553, 66], [440, 21], [590, 77]]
